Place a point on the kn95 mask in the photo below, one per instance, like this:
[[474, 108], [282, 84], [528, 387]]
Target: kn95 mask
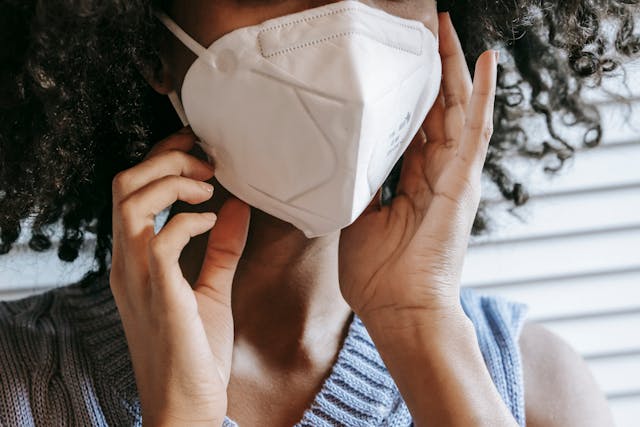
[[306, 114]]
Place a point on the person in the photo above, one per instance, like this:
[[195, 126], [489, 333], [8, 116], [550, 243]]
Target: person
[[238, 317]]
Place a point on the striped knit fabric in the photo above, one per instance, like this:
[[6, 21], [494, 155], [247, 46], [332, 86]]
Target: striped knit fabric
[[64, 361]]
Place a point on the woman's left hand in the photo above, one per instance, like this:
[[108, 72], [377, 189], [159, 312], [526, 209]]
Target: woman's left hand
[[407, 257]]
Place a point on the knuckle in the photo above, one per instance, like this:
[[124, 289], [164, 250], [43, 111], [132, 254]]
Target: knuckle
[[487, 131], [114, 277], [172, 180], [115, 284], [485, 93], [126, 212], [171, 183], [449, 143], [483, 130], [127, 209], [158, 246], [182, 218], [173, 154], [189, 222], [454, 99], [118, 184]]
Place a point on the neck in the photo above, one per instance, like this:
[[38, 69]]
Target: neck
[[290, 283], [286, 301]]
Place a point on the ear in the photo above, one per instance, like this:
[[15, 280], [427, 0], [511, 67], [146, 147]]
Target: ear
[[160, 78]]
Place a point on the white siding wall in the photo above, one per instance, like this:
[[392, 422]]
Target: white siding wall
[[574, 254], [573, 257]]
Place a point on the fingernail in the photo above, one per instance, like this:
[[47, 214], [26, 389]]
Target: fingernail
[[206, 187]]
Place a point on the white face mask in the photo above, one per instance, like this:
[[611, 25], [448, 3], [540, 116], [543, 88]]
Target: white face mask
[[306, 114]]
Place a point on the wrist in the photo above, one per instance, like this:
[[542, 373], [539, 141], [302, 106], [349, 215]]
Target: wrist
[[435, 360], [423, 325]]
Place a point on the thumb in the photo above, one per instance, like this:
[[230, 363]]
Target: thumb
[[224, 248]]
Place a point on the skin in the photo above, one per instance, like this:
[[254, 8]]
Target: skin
[[397, 267]]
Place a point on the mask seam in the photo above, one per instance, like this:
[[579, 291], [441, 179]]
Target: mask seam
[[334, 36], [334, 12]]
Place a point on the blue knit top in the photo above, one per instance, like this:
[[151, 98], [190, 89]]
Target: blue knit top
[[64, 361]]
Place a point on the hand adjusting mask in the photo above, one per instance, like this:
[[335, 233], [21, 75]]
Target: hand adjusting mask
[[306, 114]]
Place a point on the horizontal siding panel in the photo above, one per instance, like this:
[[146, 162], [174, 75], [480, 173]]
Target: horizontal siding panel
[[614, 83], [605, 167], [620, 122], [600, 335], [626, 411], [617, 376], [535, 259], [26, 269], [596, 169], [576, 296], [565, 214]]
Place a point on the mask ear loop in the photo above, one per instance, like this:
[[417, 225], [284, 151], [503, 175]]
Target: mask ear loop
[[181, 35], [193, 46], [177, 105]]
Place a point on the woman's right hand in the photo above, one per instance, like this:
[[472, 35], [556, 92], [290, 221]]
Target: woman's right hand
[[180, 338]]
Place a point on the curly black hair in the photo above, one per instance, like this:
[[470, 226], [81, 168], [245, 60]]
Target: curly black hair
[[75, 108]]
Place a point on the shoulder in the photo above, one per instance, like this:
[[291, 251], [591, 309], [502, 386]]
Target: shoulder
[[65, 350], [66, 315], [534, 370], [559, 388], [26, 318], [26, 338], [32, 330]]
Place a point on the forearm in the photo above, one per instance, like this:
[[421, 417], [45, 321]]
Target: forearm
[[439, 369]]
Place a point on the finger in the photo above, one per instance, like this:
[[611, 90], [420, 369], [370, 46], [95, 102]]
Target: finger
[[455, 73], [168, 162], [138, 211], [433, 124], [165, 248], [412, 180], [458, 202], [183, 140], [440, 149], [479, 124], [456, 80], [224, 248]]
